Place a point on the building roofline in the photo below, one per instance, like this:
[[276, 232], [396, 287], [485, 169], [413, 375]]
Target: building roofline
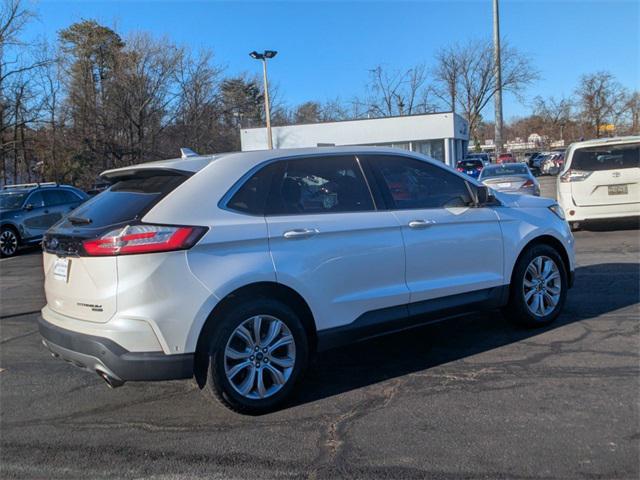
[[357, 120]]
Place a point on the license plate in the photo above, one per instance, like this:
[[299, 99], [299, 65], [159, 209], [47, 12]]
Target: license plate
[[618, 190], [503, 185], [61, 269]]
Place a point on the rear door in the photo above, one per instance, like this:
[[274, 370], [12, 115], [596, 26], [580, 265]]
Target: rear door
[[85, 287], [451, 247], [613, 175], [329, 242], [39, 215]]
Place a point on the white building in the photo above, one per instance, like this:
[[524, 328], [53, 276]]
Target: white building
[[443, 136]]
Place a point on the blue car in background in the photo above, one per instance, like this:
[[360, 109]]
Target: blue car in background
[[28, 210], [470, 166]]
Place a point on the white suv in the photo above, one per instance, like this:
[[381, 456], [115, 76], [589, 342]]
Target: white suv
[[235, 268], [601, 179]]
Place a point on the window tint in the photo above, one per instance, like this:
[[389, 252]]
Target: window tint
[[52, 198], [319, 185], [251, 197], [128, 199], [614, 157], [36, 200], [67, 196], [411, 183]]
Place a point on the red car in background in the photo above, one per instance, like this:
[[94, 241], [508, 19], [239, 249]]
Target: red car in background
[[505, 158]]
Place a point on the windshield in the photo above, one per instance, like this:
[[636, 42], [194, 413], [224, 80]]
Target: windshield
[[11, 200], [607, 157], [505, 170]]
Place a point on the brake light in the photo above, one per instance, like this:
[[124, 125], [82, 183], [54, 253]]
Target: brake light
[[528, 183], [460, 169], [574, 176], [143, 238], [479, 169]]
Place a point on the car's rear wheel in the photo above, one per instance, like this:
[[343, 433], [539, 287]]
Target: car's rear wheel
[[9, 242], [538, 287], [256, 356]]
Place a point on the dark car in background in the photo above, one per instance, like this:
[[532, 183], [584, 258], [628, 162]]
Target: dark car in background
[[479, 156], [28, 210], [470, 166]]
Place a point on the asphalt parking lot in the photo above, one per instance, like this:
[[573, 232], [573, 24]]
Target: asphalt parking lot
[[470, 398]]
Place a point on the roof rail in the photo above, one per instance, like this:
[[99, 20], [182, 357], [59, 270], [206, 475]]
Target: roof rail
[[30, 185]]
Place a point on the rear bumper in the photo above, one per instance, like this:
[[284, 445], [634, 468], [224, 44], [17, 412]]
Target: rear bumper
[[102, 355], [575, 213]]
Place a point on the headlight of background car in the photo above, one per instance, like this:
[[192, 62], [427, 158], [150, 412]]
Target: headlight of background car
[[557, 209]]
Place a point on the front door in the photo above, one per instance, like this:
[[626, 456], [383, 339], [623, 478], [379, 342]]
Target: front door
[[452, 246]]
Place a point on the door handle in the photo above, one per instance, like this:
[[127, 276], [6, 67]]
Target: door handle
[[417, 224], [301, 233]]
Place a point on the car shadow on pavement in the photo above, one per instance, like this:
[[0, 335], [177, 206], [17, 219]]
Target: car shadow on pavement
[[341, 370]]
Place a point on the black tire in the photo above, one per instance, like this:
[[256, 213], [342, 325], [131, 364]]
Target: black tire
[[213, 379], [9, 242], [517, 310]]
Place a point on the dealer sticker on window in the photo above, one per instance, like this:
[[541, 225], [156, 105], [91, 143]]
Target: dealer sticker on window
[[61, 269]]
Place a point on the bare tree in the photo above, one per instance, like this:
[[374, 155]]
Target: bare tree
[[554, 115], [396, 92], [465, 75], [601, 100]]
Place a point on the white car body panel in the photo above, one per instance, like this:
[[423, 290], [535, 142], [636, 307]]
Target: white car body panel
[[357, 262]]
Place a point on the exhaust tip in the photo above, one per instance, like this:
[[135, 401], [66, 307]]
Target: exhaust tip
[[110, 381]]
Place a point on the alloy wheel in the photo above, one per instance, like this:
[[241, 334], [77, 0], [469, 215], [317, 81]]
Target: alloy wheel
[[542, 286], [8, 242], [259, 357]]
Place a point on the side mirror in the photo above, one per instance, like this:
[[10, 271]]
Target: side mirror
[[28, 206], [482, 195]]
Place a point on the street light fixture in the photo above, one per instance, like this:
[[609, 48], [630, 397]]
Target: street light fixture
[[267, 54]]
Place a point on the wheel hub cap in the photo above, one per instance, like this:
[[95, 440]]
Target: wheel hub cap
[[542, 286], [259, 357]]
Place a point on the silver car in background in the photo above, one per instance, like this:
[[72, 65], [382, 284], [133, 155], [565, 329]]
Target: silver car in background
[[510, 178]]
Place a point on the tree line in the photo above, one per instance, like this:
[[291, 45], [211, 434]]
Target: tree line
[[93, 100]]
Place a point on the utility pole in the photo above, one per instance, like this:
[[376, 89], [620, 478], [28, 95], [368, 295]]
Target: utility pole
[[498, 78], [263, 57]]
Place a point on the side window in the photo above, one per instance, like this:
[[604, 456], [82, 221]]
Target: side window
[[36, 200], [412, 184], [252, 195], [52, 198], [68, 196], [319, 185]]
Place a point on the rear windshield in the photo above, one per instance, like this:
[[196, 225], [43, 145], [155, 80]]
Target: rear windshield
[[504, 170], [606, 157], [128, 199], [470, 164]]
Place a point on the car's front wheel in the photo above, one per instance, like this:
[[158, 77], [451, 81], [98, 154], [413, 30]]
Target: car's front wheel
[[9, 242], [538, 287], [256, 356]]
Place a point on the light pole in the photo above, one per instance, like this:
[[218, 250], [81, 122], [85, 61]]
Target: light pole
[[498, 78], [264, 56]]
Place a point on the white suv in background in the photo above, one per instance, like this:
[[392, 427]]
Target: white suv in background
[[235, 268], [601, 179]]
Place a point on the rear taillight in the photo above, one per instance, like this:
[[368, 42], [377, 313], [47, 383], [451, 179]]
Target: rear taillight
[[479, 169], [574, 176], [143, 238], [528, 183], [460, 169]]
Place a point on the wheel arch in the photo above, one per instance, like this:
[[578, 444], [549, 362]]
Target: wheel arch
[[265, 289], [552, 242], [12, 227]]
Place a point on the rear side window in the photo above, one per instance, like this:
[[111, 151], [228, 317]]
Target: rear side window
[[605, 157], [128, 199], [252, 195], [411, 184], [319, 185]]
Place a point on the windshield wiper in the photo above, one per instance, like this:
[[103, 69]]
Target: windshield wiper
[[79, 220]]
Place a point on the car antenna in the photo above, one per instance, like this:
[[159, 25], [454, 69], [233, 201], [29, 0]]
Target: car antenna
[[187, 152]]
